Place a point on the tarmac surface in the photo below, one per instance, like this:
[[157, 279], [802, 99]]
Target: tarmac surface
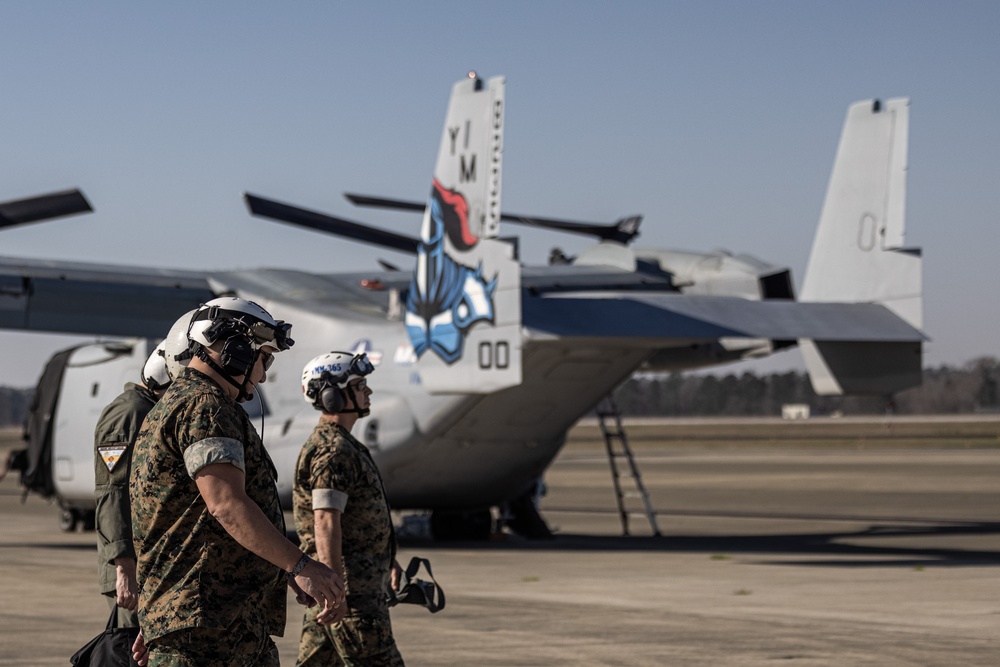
[[784, 555]]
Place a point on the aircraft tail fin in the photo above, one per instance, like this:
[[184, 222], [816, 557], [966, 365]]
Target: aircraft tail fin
[[859, 256], [463, 306]]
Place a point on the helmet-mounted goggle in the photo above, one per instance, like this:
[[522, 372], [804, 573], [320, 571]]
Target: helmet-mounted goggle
[[226, 323], [276, 336], [360, 365]]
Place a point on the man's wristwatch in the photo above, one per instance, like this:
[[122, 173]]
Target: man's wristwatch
[[301, 565]]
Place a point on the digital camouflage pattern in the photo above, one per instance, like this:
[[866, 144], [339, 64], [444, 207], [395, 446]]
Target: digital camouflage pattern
[[360, 640], [114, 437], [333, 459], [242, 644], [191, 572]]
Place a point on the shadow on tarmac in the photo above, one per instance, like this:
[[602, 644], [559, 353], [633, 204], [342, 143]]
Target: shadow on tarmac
[[870, 547], [842, 547]]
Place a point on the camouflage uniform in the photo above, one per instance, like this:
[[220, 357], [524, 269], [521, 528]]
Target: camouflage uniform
[[335, 471], [114, 437], [203, 598]]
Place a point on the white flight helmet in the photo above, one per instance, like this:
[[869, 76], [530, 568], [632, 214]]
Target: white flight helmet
[[325, 377], [244, 328], [261, 327], [244, 325], [155, 375], [177, 346]]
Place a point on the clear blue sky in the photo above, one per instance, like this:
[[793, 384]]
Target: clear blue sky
[[716, 120]]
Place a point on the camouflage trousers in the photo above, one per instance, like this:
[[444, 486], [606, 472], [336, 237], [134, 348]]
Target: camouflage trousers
[[243, 644], [362, 639]]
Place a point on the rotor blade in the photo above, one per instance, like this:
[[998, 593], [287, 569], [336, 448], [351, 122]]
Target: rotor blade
[[383, 202], [43, 207], [267, 208], [623, 231]]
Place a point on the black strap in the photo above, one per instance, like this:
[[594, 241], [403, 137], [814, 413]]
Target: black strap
[[241, 388], [427, 594]]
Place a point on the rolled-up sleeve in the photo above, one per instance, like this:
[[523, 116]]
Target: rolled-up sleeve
[[329, 499], [214, 450], [334, 476]]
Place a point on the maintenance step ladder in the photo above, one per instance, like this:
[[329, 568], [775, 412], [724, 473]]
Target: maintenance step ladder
[[616, 442]]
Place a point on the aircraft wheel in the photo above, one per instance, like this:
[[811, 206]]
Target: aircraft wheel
[[525, 519], [452, 525], [88, 520], [68, 520]]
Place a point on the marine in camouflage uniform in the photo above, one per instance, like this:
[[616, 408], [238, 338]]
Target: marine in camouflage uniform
[[114, 438], [336, 472], [206, 522], [201, 592]]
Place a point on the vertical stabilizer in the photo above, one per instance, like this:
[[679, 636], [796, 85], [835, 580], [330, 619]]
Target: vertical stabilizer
[[463, 307], [859, 256]]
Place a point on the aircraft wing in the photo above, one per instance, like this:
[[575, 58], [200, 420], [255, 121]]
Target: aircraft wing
[[674, 316], [562, 278], [74, 297]]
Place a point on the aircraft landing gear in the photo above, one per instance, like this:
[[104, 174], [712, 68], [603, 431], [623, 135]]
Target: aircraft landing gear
[[67, 520], [70, 519], [454, 525], [519, 515], [525, 519]]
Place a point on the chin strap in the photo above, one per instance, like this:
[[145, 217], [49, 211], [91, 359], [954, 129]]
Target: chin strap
[[243, 394], [353, 395]]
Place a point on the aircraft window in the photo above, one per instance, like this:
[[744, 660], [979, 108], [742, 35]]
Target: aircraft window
[[94, 388], [256, 407]]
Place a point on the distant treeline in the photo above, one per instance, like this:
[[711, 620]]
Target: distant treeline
[[945, 390]]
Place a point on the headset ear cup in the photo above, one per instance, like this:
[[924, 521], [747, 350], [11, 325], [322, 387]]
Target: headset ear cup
[[237, 355], [332, 400]]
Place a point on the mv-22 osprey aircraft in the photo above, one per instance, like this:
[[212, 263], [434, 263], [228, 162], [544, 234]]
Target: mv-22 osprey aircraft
[[484, 364]]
